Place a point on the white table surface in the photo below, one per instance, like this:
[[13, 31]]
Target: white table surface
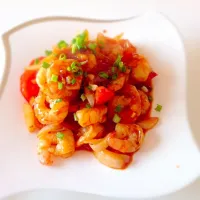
[[185, 14]]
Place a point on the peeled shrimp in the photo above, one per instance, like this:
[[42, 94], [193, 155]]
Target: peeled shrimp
[[145, 104], [29, 117], [127, 138], [58, 68], [88, 133], [88, 116], [118, 83], [50, 144], [111, 159], [55, 114], [142, 71]]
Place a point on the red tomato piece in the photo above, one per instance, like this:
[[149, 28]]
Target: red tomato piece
[[28, 86], [103, 95]]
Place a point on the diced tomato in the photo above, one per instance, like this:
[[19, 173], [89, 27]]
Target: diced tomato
[[103, 95], [33, 61], [73, 108], [28, 86], [150, 77]]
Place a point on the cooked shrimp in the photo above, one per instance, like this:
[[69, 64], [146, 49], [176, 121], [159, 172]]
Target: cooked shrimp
[[118, 83], [55, 114], [88, 133], [113, 160], [142, 71], [145, 104], [56, 81], [99, 144], [29, 117], [127, 138], [55, 140], [88, 116], [148, 123]]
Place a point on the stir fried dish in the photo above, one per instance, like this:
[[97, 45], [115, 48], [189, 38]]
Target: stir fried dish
[[93, 95]]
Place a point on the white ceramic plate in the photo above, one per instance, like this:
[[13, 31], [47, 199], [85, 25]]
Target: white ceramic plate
[[169, 158]]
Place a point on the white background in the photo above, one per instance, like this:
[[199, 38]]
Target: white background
[[185, 14]]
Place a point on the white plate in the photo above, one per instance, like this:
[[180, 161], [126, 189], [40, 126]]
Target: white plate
[[154, 170]]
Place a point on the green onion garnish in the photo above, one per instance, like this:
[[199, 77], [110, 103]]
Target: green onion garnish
[[150, 98], [74, 68], [62, 44], [103, 75], [83, 97], [78, 73], [74, 48], [118, 108], [158, 108], [114, 76], [73, 81], [69, 68], [62, 56], [58, 100], [60, 85], [84, 62], [75, 117], [92, 46], [45, 65], [113, 69], [36, 61], [89, 87], [60, 135], [117, 61], [54, 77], [48, 52], [122, 67], [116, 118], [88, 106]]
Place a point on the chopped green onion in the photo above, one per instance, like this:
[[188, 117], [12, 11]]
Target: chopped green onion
[[74, 68], [84, 62], [62, 56], [69, 68], [83, 97], [60, 135], [45, 65], [89, 87], [117, 61], [74, 48], [116, 118], [113, 69], [58, 100], [75, 117], [114, 76], [158, 108], [92, 46], [122, 67], [60, 85], [73, 81], [62, 44], [103, 75], [36, 61], [118, 108], [88, 106], [48, 52], [150, 98], [54, 77]]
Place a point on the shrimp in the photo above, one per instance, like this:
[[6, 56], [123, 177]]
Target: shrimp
[[58, 80], [89, 132], [88, 116], [51, 142], [29, 117], [129, 103], [113, 160], [118, 83], [127, 138], [55, 114], [142, 70], [145, 104]]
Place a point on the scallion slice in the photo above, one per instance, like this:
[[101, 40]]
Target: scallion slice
[[116, 118], [45, 65], [62, 44], [103, 75], [60, 85], [75, 117], [60, 135], [36, 61], [48, 52], [88, 106], [158, 108], [58, 100], [118, 108], [83, 97], [73, 81], [54, 77], [62, 56]]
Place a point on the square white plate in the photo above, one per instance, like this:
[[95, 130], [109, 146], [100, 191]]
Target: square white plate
[[169, 158]]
